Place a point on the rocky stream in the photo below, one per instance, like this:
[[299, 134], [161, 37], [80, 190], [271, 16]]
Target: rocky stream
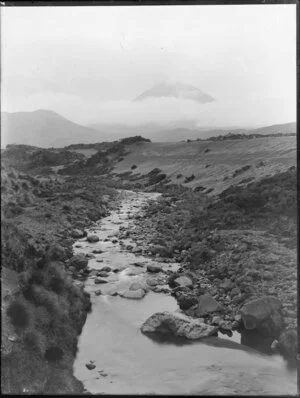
[[116, 354]]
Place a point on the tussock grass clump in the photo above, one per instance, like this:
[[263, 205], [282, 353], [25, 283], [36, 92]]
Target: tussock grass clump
[[190, 178], [199, 256], [241, 170], [12, 209], [59, 307], [34, 340], [53, 354], [19, 314]]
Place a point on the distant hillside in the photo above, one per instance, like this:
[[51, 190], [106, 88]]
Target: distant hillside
[[208, 166], [177, 90], [211, 165], [286, 128], [183, 130], [43, 128]]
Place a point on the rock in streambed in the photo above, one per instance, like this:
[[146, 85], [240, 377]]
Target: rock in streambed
[[178, 325]]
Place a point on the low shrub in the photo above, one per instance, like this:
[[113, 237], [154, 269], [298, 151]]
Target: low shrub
[[189, 179], [200, 255], [38, 277], [12, 209], [209, 190], [199, 188], [57, 278], [19, 314], [56, 305], [25, 185], [246, 180], [33, 340], [241, 170], [54, 354]]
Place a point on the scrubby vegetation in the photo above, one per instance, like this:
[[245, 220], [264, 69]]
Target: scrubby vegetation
[[134, 140], [47, 310], [57, 306], [104, 160], [241, 170], [19, 314], [189, 179], [266, 204], [26, 158], [155, 177]]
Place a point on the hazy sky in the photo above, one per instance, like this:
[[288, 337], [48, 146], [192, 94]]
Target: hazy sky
[[89, 63]]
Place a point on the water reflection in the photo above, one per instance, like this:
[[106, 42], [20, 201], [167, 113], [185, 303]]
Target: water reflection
[[168, 338]]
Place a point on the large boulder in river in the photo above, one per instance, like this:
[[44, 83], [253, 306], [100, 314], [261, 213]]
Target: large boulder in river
[[78, 261], [264, 315], [135, 291], [92, 238], [177, 325]]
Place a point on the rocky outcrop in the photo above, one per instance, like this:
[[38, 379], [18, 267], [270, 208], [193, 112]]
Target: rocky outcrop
[[263, 315], [177, 325]]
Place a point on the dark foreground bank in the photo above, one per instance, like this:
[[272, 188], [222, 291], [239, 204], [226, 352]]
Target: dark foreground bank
[[43, 307]]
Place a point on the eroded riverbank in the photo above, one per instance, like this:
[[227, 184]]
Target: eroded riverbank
[[125, 360]]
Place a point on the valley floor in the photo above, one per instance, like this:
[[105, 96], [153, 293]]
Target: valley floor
[[230, 248]]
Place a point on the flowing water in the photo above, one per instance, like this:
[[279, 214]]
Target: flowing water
[[128, 362]]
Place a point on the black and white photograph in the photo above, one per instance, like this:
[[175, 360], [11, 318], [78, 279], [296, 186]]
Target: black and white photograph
[[149, 198]]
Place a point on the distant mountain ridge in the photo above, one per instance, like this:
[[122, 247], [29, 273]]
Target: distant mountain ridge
[[176, 90], [45, 129]]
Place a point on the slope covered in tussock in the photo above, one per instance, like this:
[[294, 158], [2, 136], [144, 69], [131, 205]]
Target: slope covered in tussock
[[214, 165]]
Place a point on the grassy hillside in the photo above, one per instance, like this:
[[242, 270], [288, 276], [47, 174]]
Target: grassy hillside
[[207, 166], [212, 165]]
